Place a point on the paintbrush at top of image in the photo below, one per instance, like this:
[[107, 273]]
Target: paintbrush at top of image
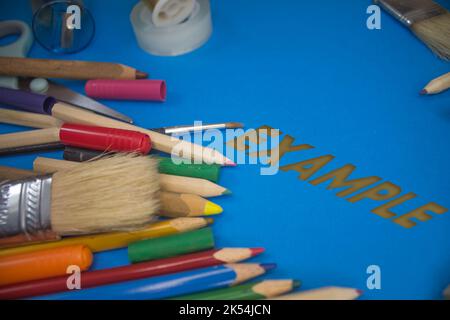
[[429, 21]]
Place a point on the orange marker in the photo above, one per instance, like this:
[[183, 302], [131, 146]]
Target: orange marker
[[43, 264]]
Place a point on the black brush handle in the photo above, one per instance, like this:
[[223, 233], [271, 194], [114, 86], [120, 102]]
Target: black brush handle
[[52, 146], [80, 155]]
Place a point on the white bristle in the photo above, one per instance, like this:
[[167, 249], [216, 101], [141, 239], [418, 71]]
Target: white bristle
[[115, 193]]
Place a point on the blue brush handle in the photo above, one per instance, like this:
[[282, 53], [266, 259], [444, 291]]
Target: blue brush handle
[[27, 101], [155, 288]]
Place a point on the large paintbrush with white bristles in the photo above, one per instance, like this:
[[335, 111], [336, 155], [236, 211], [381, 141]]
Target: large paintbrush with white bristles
[[426, 19], [116, 193]]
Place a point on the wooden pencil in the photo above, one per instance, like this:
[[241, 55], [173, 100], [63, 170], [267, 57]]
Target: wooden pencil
[[326, 293], [168, 286], [201, 187], [176, 205], [115, 240], [170, 183], [67, 69], [149, 269], [28, 119], [437, 85], [447, 293], [249, 291]]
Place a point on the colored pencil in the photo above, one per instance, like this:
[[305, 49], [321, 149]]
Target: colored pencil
[[168, 286], [170, 246], [66, 69], [170, 183], [249, 291], [115, 240], [142, 270], [437, 85], [174, 205], [326, 293], [43, 264]]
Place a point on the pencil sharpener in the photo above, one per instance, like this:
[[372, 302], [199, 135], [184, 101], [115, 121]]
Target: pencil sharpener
[[63, 26]]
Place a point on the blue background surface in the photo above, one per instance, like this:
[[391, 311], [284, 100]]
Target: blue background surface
[[312, 69]]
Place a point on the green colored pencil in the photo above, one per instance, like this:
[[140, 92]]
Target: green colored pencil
[[250, 291]]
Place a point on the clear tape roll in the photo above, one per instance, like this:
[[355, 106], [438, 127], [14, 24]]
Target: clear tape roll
[[172, 40], [169, 12]]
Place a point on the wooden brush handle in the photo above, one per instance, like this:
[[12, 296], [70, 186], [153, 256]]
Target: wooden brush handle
[[8, 173], [28, 119], [65, 69], [27, 138], [47, 165]]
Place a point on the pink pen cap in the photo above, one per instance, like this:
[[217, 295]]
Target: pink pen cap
[[142, 90]]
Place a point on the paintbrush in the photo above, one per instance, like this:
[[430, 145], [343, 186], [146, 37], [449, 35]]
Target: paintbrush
[[117, 193], [426, 19]]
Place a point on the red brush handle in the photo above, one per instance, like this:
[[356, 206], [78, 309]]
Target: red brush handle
[[104, 139]]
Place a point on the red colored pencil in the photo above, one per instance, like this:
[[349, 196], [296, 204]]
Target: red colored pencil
[[131, 272]]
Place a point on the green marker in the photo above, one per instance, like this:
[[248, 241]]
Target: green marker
[[170, 246], [204, 171], [250, 291]]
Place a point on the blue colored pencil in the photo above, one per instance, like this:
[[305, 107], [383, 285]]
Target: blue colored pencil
[[169, 285]]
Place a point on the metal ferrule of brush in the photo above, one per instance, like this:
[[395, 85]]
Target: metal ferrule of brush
[[25, 206], [411, 11]]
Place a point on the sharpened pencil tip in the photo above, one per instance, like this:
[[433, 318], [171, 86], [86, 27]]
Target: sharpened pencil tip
[[230, 163], [234, 125], [256, 251], [210, 221], [211, 208], [360, 292], [141, 75], [268, 266], [423, 92], [296, 283], [226, 192]]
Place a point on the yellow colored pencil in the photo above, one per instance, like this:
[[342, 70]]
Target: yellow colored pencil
[[114, 240], [175, 205]]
